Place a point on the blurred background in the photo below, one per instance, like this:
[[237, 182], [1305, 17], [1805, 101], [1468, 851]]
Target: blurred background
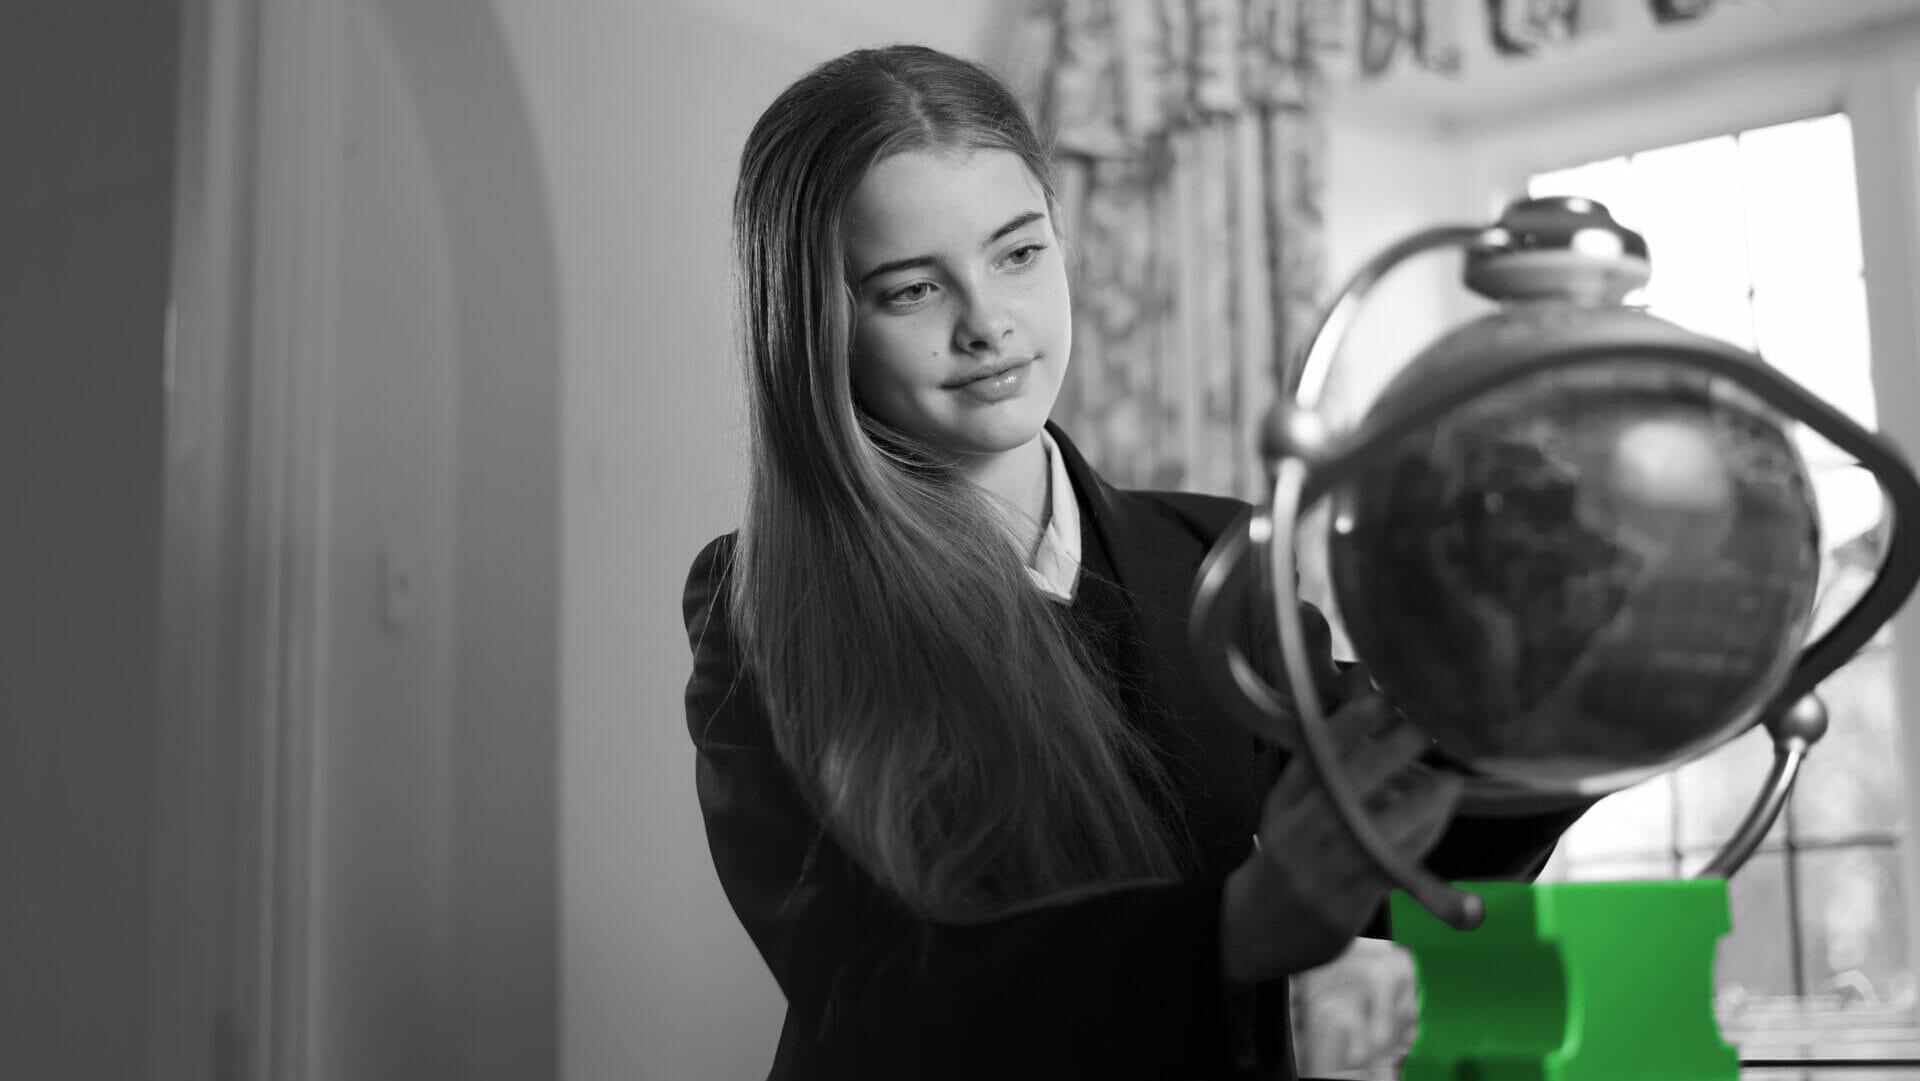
[[366, 390]]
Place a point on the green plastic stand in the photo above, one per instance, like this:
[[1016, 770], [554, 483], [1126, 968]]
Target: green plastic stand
[[1572, 981]]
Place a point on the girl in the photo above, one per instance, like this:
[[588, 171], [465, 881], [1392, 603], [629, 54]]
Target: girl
[[958, 780]]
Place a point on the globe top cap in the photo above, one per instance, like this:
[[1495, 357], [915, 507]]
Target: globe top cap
[[1560, 246]]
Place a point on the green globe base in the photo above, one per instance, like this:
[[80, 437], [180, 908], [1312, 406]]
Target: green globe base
[[1572, 981]]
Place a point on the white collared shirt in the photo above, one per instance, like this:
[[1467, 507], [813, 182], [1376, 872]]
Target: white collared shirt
[[1055, 567]]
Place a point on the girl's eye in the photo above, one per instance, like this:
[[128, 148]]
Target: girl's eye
[[1020, 258], [911, 294]]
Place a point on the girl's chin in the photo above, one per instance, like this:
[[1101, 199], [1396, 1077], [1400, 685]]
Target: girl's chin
[[998, 438]]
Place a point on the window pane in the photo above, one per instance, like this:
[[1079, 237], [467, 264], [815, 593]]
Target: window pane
[[1802, 208], [1816, 333], [1715, 792], [1854, 942], [1850, 783], [1850, 501], [1722, 311], [1752, 964], [1691, 217], [1633, 824], [1852, 543]]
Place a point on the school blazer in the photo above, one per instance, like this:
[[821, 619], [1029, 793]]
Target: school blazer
[[1125, 984]]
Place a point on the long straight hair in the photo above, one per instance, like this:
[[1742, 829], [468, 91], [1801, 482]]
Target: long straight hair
[[954, 734]]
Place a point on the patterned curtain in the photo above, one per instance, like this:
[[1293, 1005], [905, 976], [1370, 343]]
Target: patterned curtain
[[1190, 140]]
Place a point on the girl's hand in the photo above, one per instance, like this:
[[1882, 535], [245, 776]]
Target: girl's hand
[[1309, 888]]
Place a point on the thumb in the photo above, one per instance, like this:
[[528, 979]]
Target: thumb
[[1356, 680]]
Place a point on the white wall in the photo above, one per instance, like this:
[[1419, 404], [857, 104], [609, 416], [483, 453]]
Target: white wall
[[1385, 181], [433, 947], [385, 891], [639, 111]]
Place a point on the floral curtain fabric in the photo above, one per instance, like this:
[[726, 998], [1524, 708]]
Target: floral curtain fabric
[[1190, 143]]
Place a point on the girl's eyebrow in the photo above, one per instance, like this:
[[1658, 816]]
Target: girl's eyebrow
[[1019, 222]]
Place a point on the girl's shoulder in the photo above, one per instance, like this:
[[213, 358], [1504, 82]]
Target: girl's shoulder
[[713, 563], [715, 558], [703, 599]]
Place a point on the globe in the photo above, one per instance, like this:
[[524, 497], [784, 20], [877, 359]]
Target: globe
[[1586, 576]]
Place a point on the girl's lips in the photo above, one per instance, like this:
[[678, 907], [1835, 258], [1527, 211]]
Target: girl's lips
[[1000, 386]]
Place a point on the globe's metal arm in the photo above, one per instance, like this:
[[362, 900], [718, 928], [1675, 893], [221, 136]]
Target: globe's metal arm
[[1457, 908], [1223, 591], [1304, 376], [1794, 733]]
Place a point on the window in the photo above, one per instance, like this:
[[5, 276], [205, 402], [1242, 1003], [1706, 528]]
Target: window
[[1755, 239]]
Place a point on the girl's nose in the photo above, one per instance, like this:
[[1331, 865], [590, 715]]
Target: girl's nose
[[984, 325]]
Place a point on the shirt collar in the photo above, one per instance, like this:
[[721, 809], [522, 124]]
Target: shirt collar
[[1055, 568]]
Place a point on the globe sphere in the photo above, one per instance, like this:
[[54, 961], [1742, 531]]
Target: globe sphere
[[1586, 576]]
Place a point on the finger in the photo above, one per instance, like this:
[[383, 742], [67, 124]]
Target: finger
[[1401, 782], [1358, 718], [1349, 727], [1358, 681], [1359, 685], [1310, 833], [1367, 768], [1296, 783], [1411, 828], [1417, 821], [1302, 830], [1373, 763]]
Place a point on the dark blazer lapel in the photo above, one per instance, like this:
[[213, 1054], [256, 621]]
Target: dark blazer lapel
[[1155, 559], [1223, 769]]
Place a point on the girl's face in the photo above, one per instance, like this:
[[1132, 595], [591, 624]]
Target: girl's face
[[962, 322]]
